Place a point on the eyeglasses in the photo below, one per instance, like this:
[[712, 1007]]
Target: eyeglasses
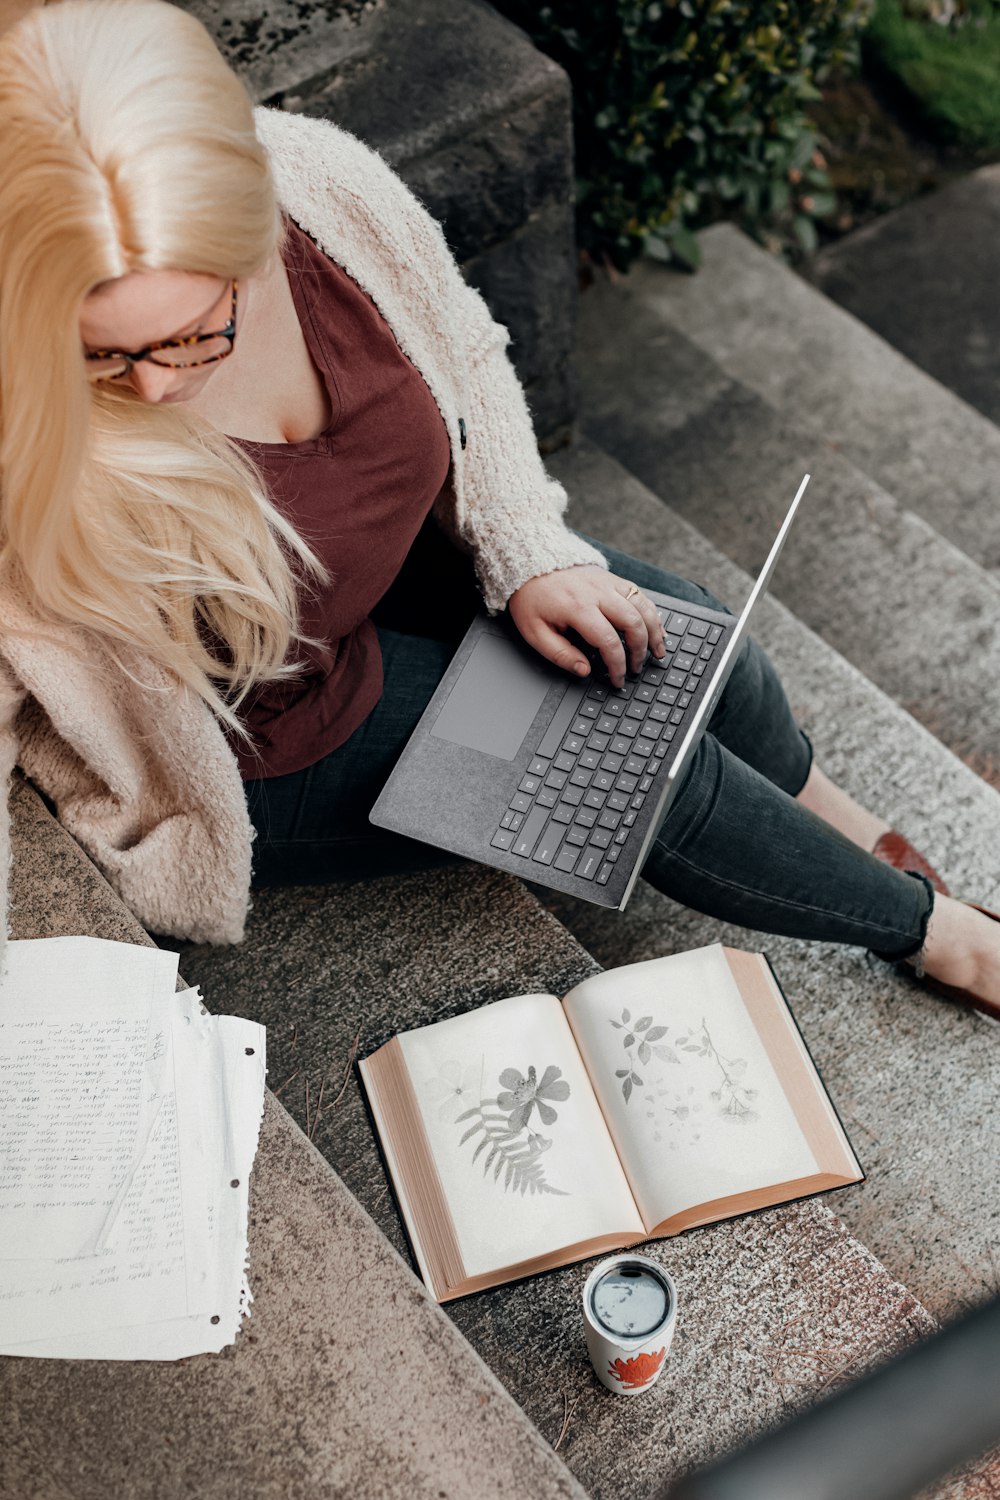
[[176, 354]]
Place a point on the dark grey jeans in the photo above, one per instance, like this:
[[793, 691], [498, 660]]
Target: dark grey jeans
[[735, 843]]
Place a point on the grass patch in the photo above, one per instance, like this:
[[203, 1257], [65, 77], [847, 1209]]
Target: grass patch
[[950, 77]]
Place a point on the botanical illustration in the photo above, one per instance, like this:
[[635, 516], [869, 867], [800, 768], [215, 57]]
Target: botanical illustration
[[671, 1107], [502, 1126], [638, 1371]]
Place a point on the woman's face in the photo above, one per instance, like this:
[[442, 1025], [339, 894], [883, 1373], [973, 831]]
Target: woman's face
[[146, 307]]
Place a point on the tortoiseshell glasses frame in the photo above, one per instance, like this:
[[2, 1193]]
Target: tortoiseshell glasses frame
[[130, 359]]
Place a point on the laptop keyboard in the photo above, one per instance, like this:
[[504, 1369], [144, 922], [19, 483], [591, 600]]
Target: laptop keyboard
[[598, 760]]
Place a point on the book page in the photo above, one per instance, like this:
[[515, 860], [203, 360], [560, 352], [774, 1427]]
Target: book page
[[516, 1135], [691, 1098]]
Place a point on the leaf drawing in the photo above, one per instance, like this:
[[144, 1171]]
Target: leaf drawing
[[506, 1144]]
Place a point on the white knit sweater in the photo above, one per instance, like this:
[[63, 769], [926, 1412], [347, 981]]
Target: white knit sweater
[[141, 774]]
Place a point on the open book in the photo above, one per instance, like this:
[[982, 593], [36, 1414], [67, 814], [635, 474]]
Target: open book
[[535, 1131]]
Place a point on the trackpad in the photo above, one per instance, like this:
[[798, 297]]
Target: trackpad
[[492, 704]]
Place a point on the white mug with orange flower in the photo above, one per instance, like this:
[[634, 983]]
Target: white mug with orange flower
[[629, 1313]]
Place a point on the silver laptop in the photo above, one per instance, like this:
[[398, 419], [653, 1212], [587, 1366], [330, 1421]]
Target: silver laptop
[[564, 782]]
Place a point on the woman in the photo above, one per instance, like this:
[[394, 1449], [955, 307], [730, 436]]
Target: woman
[[256, 433]]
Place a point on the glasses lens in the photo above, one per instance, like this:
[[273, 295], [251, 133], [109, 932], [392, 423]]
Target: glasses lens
[[192, 354], [105, 369]]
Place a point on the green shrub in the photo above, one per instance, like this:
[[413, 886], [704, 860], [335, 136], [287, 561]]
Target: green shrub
[[950, 73], [688, 110]]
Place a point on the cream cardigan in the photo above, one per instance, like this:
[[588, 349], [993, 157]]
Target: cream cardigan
[[141, 774]]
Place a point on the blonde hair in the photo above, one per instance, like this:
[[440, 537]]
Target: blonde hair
[[129, 145]]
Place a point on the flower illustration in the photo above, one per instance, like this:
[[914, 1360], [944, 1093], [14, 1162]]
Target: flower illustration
[[456, 1087], [638, 1371], [522, 1095]]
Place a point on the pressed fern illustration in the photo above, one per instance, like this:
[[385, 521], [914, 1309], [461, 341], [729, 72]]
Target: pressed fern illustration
[[505, 1142]]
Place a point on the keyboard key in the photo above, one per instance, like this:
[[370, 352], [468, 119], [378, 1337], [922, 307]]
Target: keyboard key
[[683, 661], [653, 675], [671, 641], [692, 682], [629, 820], [684, 700], [604, 873], [594, 799], [691, 645], [699, 669], [573, 744], [571, 795], [614, 852], [580, 777], [698, 627], [529, 784], [677, 716], [577, 836], [502, 839], [588, 863], [622, 835], [588, 710], [557, 779], [675, 679], [600, 839], [586, 817], [614, 708], [679, 623], [607, 725], [516, 819], [609, 820], [538, 766], [598, 742], [589, 761], [714, 633], [657, 714], [545, 851], [566, 859], [645, 693], [638, 800], [628, 729], [564, 762], [626, 783], [620, 745], [507, 820], [546, 798], [645, 783], [526, 839], [643, 747], [634, 766], [667, 695], [617, 802], [612, 763], [562, 813], [661, 750], [603, 781], [707, 652], [598, 692], [519, 802], [582, 726]]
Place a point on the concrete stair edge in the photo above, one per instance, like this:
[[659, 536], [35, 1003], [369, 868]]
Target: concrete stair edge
[[868, 573], [937, 454]]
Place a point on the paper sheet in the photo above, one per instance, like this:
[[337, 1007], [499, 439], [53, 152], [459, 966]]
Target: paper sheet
[[164, 1273]]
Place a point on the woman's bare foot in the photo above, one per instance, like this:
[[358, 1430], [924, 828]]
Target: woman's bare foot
[[963, 949], [831, 803]]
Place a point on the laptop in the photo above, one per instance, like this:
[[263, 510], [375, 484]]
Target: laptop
[[518, 765]]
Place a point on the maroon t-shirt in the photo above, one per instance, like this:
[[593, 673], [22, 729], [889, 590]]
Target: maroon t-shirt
[[358, 494]]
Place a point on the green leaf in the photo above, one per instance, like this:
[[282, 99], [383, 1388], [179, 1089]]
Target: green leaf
[[805, 233], [685, 249]]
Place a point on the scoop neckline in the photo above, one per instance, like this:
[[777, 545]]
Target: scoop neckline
[[303, 307]]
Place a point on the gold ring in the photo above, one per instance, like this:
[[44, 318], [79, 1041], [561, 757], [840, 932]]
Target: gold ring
[[632, 590]]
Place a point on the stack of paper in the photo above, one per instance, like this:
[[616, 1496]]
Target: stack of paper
[[129, 1120]]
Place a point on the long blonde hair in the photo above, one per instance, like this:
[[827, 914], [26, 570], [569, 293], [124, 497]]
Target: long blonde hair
[[128, 144]]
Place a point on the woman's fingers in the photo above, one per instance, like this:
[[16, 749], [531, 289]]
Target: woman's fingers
[[555, 647], [596, 627]]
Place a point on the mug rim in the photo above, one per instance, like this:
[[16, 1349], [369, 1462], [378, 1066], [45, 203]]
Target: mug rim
[[659, 1330]]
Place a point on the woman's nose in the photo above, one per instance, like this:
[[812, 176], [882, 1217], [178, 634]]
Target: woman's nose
[[153, 382]]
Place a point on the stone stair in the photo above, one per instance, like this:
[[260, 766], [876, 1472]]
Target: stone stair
[[671, 381]]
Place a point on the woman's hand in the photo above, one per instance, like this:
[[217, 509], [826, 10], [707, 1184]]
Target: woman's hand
[[592, 602]]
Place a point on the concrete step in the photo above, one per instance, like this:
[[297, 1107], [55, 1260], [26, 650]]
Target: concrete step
[[924, 278], [913, 1077], [476, 121], [334, 971], [830, 373], [872, 578], [341, 1331]]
